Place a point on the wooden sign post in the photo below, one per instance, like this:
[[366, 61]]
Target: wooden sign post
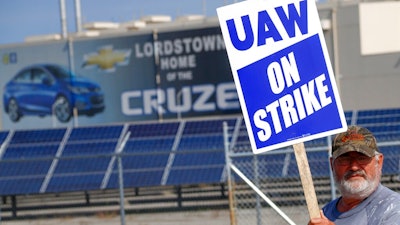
[[306, 180]]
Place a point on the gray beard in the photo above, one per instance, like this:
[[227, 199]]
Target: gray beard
[[358, 189]]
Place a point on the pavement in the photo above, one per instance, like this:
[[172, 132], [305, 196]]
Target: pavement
[[207, 217]]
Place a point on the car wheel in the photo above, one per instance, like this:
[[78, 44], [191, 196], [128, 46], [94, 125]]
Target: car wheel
[[13, 110], [62, 109]]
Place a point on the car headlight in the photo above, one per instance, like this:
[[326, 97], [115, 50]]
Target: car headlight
[[97, 89], [79, 90]]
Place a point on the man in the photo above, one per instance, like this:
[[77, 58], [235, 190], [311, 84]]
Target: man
[[356, 163]]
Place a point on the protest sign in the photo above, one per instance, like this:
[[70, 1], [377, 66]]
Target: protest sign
[[282, 72], [284, 78]]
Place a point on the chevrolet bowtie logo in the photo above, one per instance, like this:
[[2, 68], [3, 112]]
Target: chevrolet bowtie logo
[[106, 58]]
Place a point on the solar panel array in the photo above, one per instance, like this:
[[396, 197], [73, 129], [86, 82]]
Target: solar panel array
[[384, 123], [159, 153], [84, 158]]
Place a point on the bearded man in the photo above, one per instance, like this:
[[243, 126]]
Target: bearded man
[[356, 164]]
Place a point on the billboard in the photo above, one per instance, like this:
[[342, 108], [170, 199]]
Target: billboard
[[174, 74]]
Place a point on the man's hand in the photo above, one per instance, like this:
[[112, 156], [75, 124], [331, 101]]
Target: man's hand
[[321, 221]]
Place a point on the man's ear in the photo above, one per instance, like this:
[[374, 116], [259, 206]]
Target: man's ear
[[331, 162], [380, 160]]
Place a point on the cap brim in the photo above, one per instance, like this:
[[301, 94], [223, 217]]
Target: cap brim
[[351, 148]]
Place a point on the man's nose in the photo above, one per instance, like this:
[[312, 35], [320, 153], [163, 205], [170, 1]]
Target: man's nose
[[354, 165]]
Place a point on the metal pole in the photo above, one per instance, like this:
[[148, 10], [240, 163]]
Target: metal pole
[[121, 190], [178, 103], [53, 115], [72, 71], [257, 183], [336, 46], [204, 7], [63, 19], [228, 171], [332, 180], [75, 113], [262, 195], [121, 178], [78, 15], [160, 95]]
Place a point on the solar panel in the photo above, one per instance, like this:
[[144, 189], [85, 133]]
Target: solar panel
[[85, 158], [38, 136], [159, 153], [195, 175], [3, 136], [20, 185], [391, 163], [75, 182], [138, 178], [30, 151], [27, 159], [146, 154], [154, 129], [95, 133]]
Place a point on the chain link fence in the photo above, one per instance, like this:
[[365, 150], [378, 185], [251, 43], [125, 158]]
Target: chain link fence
[[263, 188], [266, 188]]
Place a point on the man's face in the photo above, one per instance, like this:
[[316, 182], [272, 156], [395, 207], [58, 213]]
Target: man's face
[[356, 174]]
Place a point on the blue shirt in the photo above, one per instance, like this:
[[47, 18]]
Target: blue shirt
[[382, 207]]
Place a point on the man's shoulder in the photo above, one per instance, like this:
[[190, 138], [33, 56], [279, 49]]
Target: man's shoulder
[[383, 204], [330, 210], [386, 199], [388, 206], [386, 192]]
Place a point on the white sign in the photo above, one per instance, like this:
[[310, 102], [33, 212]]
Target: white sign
[[282, 72]]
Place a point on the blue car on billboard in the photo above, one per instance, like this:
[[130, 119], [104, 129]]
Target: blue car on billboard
[[50, 89]]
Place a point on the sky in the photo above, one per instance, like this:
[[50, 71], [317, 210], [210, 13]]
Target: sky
[[22, 18]]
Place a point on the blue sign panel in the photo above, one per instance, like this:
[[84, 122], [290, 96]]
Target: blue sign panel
[[282, 72], [289, 94]]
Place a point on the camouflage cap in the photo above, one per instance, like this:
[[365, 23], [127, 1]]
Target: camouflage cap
[[357, 139]]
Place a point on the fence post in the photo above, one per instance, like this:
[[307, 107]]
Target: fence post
[[121, 189], [332, 180], [257, 183], [228, 172], [121, 177]]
